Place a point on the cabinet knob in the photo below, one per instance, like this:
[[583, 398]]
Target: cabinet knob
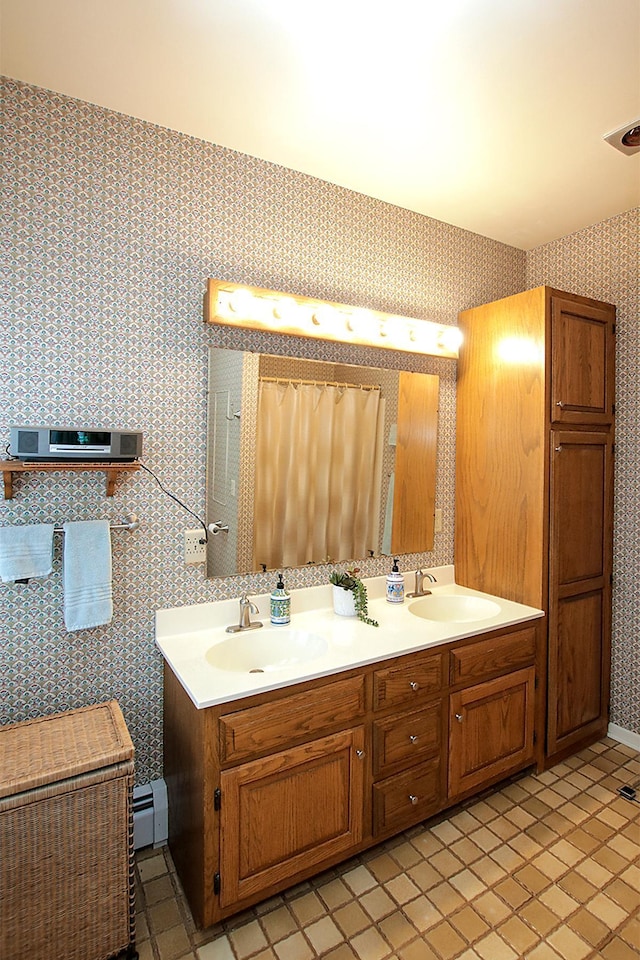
[[558, 448], [459, 717], [360, 754], [413, 799], [559, 403], [414, 684], [413, 739]]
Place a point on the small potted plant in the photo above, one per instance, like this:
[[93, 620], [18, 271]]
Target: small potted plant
[[350, 596]]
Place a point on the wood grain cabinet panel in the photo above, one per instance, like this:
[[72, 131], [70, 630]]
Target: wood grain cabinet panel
[[491, 730], [486, 658], [413, 680], [582, 357], [415, 463], [407, 798], [399, 741], [534, 488], [289, 811], [246, 733]]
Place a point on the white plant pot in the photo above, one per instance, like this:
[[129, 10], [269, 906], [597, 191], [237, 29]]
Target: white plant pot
[[344, 602]]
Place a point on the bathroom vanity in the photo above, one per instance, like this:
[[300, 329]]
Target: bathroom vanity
[[346, 737]]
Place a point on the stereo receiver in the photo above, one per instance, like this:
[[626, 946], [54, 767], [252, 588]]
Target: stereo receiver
[[59, 444]]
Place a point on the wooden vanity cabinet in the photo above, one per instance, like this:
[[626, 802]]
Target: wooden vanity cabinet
[[264, 791], [290, 810], [534, 489], [268, 790]]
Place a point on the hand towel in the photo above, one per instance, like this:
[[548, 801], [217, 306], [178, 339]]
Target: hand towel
[[26, 551], [87, 574]]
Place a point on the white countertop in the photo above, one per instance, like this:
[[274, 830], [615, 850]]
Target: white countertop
[[185, 635]]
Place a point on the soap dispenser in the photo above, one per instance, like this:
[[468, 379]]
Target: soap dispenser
[[395, 584], [280, 603]]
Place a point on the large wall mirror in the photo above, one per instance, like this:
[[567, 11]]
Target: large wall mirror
[[314, 462]]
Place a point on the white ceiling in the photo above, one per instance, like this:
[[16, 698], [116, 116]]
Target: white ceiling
[[488, 114]]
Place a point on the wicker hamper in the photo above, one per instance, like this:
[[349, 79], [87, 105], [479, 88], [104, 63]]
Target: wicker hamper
[[66, 837]]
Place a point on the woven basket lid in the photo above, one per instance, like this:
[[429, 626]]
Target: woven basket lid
[[48, 749]]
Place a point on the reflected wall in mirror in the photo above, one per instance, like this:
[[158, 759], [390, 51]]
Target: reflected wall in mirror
[[311, 461]]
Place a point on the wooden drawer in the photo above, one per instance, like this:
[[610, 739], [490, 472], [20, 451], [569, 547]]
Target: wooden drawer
[[413, 680], [290, 719], [490, 658], [407, 798], [400, 741]]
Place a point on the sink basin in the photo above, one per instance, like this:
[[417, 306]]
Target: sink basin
[[260, 651], [452, 608]]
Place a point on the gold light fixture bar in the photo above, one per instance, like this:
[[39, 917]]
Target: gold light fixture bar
[[254, 308]]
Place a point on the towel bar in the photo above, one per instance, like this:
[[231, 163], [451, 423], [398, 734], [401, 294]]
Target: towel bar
[[129, 523]]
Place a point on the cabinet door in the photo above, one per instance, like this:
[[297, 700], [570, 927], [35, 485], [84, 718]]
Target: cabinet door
[[290, 811], [580, 587], [491, 730], [582, 361]]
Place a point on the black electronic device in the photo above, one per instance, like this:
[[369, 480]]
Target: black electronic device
[[68, 444]]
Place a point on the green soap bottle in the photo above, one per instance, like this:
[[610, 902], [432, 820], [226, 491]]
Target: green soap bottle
[[280, 603]]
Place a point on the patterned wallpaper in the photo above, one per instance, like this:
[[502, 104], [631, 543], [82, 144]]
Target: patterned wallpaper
[[603, 262], [114, 224]]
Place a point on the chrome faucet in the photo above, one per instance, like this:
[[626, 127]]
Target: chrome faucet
[[246, 623], [418, 590]]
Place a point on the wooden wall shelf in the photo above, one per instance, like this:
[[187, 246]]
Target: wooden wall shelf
[[111, 470]]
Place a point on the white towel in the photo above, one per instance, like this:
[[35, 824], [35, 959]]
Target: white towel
[[87, 574], [26, 551]]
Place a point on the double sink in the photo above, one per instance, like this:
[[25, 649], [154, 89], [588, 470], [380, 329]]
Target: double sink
[[283, 648], [216, 667]]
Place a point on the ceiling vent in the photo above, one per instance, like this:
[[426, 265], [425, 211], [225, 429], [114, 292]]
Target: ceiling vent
[[626, 139]]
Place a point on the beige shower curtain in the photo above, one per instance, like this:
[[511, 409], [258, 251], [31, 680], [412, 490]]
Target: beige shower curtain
[[318, 467]]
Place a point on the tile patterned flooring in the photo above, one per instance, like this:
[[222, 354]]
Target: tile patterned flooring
[[546, 867]]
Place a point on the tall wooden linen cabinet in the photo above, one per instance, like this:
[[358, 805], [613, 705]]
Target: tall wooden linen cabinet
[[534, 490]]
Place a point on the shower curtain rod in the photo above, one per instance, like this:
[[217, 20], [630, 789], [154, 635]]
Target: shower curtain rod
[[321, 383]]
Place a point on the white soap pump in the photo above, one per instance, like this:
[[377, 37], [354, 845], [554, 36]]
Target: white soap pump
[[395, 584]]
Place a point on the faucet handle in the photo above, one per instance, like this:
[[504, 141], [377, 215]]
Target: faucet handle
[[246, 602]]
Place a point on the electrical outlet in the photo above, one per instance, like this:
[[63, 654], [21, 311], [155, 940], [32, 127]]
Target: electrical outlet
[[437, 526], [194, 550]]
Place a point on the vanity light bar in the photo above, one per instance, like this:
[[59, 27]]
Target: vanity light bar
[[237, 305]]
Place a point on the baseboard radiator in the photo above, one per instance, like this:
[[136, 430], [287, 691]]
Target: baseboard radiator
[[150, 814]]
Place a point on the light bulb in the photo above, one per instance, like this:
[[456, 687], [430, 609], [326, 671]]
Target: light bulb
[[285, 309], [360, 322], [240, 303], [449, 339]]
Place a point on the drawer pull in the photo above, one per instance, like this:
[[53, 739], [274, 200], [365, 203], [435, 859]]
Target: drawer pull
[[459, 717], [414, 684], [413, 738], [560, 403], [360, 754], [413, 799]]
